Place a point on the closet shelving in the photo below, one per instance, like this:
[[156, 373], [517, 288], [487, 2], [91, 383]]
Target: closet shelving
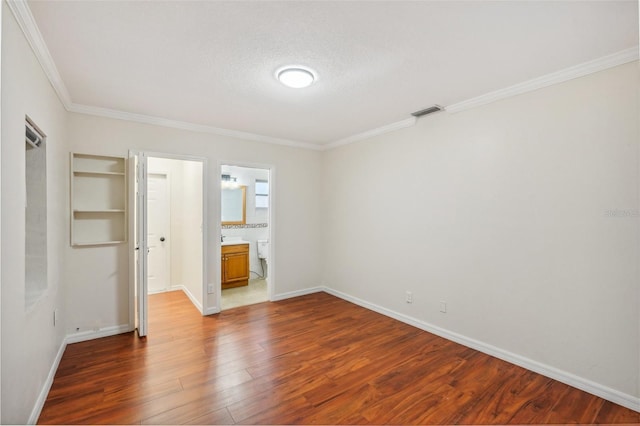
[[98, 200]]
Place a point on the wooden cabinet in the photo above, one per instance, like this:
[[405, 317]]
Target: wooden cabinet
[[235, 265], [98, 200]]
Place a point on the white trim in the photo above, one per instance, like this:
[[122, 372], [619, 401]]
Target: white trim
[[297, 293], [46, 387], [576, 71], [205, 235], [211, 311], [271, 279], [191, 297], [24, 17], [69, 339], [133, 237], [96, 334], [27, 23], [580, 70], [628, 401], [409, 122], [164, 290], [0, 197], [183, 125], [570, 379]]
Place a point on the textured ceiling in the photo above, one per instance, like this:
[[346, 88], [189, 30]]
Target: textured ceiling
[[213, 63]]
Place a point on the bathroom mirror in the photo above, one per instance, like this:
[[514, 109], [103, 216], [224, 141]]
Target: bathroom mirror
[[234, 203]]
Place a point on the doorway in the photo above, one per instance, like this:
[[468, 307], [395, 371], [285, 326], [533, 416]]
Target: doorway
[[168, 194], [246, 235]]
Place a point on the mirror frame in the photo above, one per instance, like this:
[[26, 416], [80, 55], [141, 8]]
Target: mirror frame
[[243, 188]]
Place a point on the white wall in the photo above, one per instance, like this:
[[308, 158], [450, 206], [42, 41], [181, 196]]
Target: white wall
[[192, 220], [522, 215], [1, 10], [297, 208], [30, 341], [508, 213]]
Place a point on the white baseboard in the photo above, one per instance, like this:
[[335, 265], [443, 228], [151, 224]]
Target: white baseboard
[[70, 338], [186, 291], [275, 298], [96, 334], [42, 398], [297, 293], [605, 392], [211, 311], [615, 396], [81, 337]]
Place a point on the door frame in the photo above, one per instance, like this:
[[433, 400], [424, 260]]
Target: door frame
[[217, 193], [139, 286]]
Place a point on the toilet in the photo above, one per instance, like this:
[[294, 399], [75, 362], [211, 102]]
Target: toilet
[[263, 254]]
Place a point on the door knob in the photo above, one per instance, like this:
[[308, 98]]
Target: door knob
[[161, 238]]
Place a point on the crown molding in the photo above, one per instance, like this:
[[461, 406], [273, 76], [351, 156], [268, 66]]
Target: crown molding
[[27, 23], [580, 70], [24, 17], [183, 125], [371, 133]]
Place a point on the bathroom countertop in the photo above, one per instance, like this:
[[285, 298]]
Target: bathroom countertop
[[233, 242]]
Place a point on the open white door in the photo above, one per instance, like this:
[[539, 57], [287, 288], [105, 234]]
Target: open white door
[[140, 246]]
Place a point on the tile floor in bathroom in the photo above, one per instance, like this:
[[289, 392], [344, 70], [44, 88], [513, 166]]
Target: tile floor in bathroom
[[255, 292]]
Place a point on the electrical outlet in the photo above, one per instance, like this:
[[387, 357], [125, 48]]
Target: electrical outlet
[[443, 307], [210, 288], [409, 297]]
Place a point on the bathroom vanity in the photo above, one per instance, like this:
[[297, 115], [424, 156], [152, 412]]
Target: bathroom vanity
[[235, 264]]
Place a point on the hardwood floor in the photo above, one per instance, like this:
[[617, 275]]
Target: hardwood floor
[[310, 360]]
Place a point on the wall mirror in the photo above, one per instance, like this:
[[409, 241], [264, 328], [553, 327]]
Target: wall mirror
[[234, 203]]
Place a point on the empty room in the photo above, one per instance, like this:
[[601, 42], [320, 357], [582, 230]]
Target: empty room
[[320, 212]]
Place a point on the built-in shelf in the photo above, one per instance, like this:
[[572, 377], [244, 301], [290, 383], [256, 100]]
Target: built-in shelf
[[80, 173], [100, 211], [98, 200]]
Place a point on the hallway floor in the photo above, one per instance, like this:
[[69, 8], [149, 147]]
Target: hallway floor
[[255, 292]]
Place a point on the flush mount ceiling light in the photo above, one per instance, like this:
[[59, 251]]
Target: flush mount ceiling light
[[295, 76]]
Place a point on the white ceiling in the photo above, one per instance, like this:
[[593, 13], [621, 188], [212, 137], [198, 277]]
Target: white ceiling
[[212, 63]]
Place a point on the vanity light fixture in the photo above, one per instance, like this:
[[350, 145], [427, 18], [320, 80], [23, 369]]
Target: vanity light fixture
[[229, 182], [296, 76]]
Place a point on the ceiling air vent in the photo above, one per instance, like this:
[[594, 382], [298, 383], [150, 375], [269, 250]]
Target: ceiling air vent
[[426, 111]]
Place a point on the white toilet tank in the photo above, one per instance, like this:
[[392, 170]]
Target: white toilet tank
[[263, 249]]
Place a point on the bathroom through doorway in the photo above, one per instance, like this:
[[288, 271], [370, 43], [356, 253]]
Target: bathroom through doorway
[[245, 194]]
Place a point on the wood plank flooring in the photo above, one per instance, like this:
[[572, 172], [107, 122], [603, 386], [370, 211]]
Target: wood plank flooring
[[314, 359]]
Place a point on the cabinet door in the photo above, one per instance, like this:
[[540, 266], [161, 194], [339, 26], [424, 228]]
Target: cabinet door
[[236, 267]]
